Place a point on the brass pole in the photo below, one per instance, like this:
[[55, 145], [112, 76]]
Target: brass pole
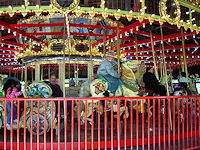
[[184, 57], [136, 44], [17, 74], [164, 65], [41, 78], [104, 42], [22, 73], [91, 61], [32, 74], [153, 53], [118, 48], [9, 73], [171, 76], [69, 46], [49, 71]]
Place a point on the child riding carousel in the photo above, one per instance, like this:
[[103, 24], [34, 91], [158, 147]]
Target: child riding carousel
[[107, 70]]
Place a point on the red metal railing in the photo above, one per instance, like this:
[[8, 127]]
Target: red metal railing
[[142, 123]]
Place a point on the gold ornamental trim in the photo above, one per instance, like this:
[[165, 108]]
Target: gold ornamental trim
[[165, 16], [71, 7]]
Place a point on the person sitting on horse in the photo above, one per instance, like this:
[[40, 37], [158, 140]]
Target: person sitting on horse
[[183, 82], [151, 82], [106, 69]]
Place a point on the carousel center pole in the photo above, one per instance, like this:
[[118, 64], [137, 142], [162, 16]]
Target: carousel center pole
[[184, 57], [69, 46], [153, 53]]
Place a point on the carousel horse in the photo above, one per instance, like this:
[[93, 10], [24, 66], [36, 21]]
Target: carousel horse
[[97, 87], [38, 90], [2, 94]]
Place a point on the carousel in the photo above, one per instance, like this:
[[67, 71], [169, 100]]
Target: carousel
[[66, 37]]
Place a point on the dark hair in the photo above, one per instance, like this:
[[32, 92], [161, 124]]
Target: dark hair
[[148, 68], [183, 74], [13, 84], [53, 74]]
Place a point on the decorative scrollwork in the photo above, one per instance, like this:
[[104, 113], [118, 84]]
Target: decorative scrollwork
[[170, 11], [65, 5]]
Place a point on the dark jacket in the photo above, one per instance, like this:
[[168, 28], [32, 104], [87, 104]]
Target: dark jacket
[[57, 92], [150, 81]]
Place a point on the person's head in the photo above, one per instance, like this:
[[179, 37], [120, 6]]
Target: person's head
[[183, 74], [53, 79], [149, 69], [110, 56]]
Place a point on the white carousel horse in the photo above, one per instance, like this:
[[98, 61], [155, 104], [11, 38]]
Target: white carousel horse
[[97, 87]]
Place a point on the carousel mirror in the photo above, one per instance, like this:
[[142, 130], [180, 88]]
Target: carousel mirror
[[64, 3], [58, 47], [81, 48], [171, 9]]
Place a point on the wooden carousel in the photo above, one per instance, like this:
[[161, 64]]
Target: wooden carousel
[[66, 33]]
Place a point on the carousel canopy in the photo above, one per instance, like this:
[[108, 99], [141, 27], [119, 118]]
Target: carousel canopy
[[32, 29]]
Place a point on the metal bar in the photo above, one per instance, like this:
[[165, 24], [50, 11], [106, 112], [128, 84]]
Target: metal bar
[[178, 110], [143, 124], [195, 121], [164, 124], [199, 117], [191, 121], [5, 118], [112, 137], [159, 142], [72, 126], [169, 113], [31, 133], [58, 125], [45, 125], [85, 124], [153, 53], [79, 125], [11, 126], [125, 125], [38, 125], [137, 126], [99, 127], [183, 124], [104, 42], [52, 125], [18, 118], [174, 125], [131, 124], [118, 48], [154, 126], [105, 124], [65, 123], [148, 107], [92, 126], [187, 122], [118, 123], [24, 125], [184, 54]]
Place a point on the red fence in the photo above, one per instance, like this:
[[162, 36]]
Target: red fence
[[141, 123]]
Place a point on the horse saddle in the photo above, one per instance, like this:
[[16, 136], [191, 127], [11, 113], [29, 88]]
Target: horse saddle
[[119, 90]]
